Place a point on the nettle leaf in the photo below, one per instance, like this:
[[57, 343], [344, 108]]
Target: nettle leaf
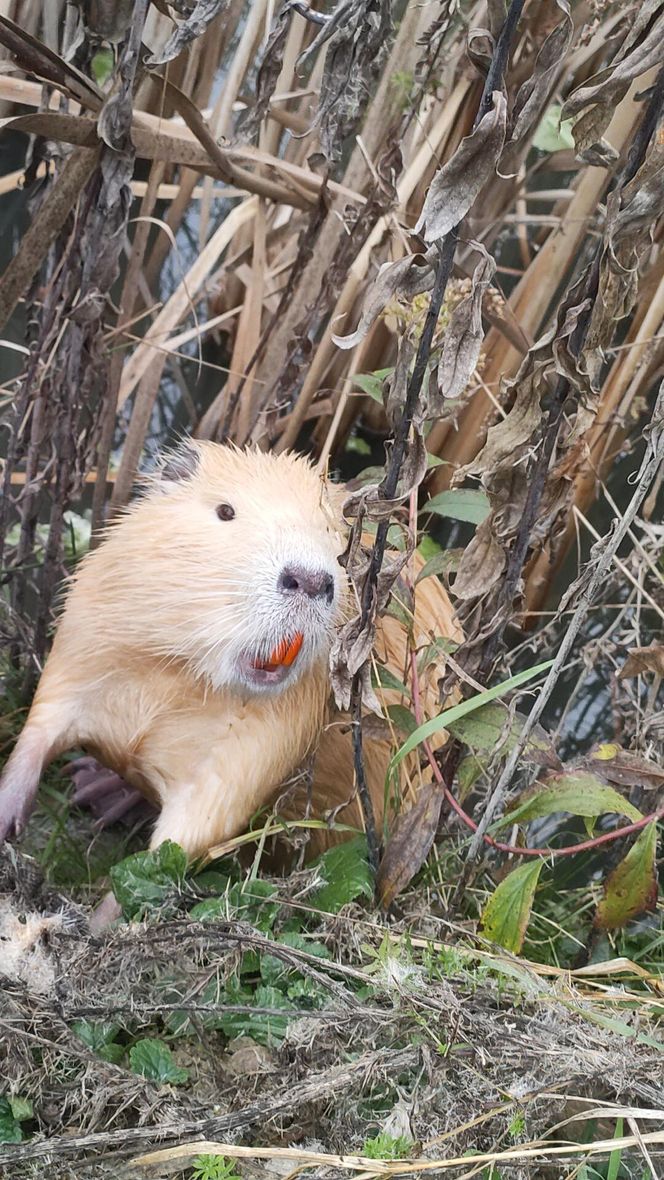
[[494, 726], [631, 888], [460, 504], [99, 1036], [152, 1059], [248, 900], [346, 874], [147, 879], [578, 792], [445, 561], [506, 915]]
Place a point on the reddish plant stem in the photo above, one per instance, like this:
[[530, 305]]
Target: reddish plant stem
[[568, 850]]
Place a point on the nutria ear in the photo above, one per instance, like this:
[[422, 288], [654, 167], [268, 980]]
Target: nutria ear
[[180, 464]]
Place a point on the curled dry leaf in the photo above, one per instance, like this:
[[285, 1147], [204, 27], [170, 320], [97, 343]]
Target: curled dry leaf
[[456, 185], [623, 768], [535, 93], [648, 659], [482, 564], [194, 26], [268, 72], [596, 100], [358, 34], [406, 278], [463, 337], [409, 845]]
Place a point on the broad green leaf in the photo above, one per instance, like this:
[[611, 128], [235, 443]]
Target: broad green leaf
[[21, 1108], [468, 772], [577, 792], [99, 1036], [446, 561], [434, 652], [552, 135], [346, 873], [10, 1128], [152, 1059], [101, 66], [384, 678], [147, 878], [427, 547], [506, 915], [460, 504], [631, 888], [248, 900], [372, 383], [403, 718], [445, 718], [494, 726]]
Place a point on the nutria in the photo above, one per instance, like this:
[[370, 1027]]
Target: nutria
[[192, 654]]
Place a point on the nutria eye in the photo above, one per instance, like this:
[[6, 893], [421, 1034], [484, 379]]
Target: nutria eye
[[225, 511]]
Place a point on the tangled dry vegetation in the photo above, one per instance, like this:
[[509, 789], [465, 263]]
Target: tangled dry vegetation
[[335, 226]]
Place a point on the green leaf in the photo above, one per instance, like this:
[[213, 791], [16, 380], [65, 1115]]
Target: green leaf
[[427, 547], [403, 718], [579, 793], [101, 66], [10, 1128], [444, 719], [494, 726], [372, 383], [460, 504], [434, 652], [386, 1147], [446, 561], [631, 888], [346, 873], [248, 900], [384, 678], [99, 1036], [14, 1110], [146, 879], [552, 135], [152, 1059], [506, 914], [357, 445]]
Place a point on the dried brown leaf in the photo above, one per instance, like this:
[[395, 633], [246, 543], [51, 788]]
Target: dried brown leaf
[[456, 185], [648, 659], [410, 843], [463, 337], [194, 26], [482, 563], [535, 93], [596, 100], [408, 277]]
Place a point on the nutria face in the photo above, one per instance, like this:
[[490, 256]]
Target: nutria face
[[244, 580]]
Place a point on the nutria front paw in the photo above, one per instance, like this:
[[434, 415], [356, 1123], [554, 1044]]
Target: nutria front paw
[[105, 793]]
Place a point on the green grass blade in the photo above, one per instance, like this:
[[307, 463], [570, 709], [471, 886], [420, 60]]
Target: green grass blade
[[456, 711]]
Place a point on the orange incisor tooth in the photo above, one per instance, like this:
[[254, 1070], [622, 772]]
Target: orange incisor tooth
[[288, 650]]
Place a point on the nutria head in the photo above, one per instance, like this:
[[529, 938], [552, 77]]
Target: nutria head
[[231, 561]]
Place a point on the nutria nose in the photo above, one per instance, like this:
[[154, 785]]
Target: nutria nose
[[294, 579]]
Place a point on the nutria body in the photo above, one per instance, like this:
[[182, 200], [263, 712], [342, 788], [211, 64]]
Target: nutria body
[[192, 655]]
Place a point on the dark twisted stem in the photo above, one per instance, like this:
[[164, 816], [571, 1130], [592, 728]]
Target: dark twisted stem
[[387, 490], [562, 390]]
